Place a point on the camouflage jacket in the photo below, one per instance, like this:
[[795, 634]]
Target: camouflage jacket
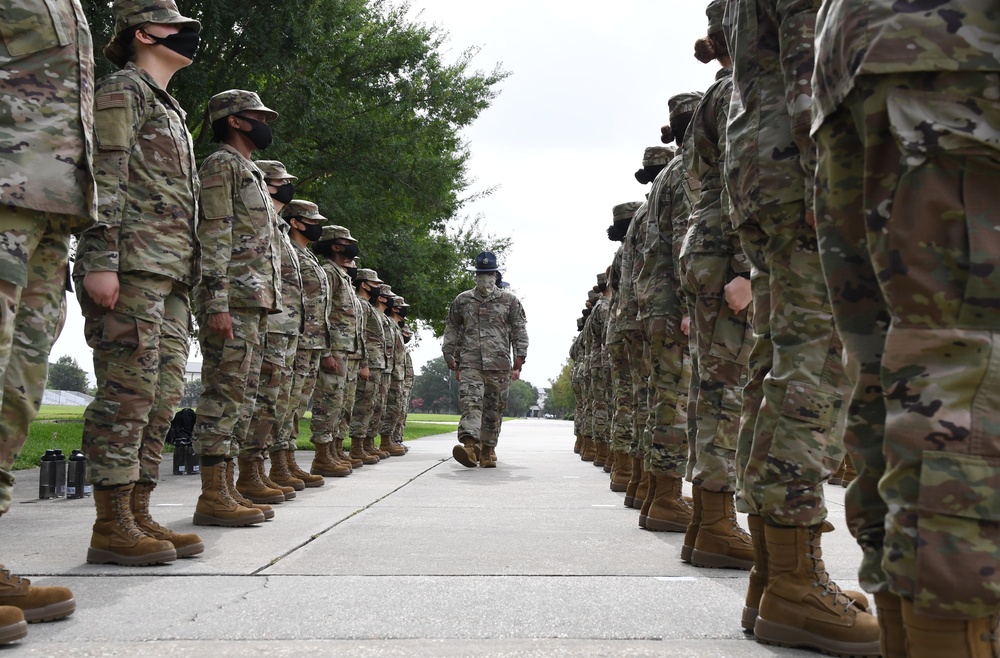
[[374, 336], [632, 260], [47, 92], [241, 257], [598, 333], [345, 329], [290, 321], [398, 351], [772, 158], [315, 301], [408, 373], [480, 331], [861, 37], [361, 353], [649, 289], [147, 183], [575, 353]]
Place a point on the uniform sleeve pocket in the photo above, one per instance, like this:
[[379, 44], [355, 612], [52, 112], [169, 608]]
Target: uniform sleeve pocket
[[113, 121], [31, 26], [216, 201]]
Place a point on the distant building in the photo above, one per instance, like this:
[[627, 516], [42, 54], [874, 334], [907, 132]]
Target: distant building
[[192, 371], [66, 398]]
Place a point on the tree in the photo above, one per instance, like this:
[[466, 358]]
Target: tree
[[66, 375], [435, 382], [192, 393], [371, 121], [520, 396], [562, 399]]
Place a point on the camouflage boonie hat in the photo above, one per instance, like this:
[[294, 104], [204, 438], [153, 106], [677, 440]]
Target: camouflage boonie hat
[[656, 155], [131, 13], [684, 103], [302, 208], [625, 211], [333, 232], [234, 101], [716, 11], [368, 275], [274, 170]]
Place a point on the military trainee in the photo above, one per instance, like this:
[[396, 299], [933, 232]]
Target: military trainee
[[134, 272], [46, 55], [908, 141], [484, 325], [369, 401], [394, 408]]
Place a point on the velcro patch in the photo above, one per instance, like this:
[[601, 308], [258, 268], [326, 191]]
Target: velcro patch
[[107, 101], [215, 180]]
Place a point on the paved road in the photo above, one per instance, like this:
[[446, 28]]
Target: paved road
[[417, 556]]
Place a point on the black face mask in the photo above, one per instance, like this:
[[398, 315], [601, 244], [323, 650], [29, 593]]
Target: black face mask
[[351, 272], [285, 193], [350, 250], [406, 339], [184, 43], [388, 304], [259, 133], [312, 232]]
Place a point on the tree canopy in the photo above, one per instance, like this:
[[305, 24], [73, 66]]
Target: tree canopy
[[561, 400], [66, 375], [520, 397], [436, 387], [371, 120]]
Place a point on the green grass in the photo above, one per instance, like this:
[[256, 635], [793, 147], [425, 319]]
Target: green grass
[[68, 436]]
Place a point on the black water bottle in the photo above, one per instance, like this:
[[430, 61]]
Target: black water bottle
[[60, 468], [181, 448], [47, 476], [191, 461], [76, 478]]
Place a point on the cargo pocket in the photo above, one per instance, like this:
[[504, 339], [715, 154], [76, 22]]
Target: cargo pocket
[[33, 26], [958, 535], [101, 412], [814, 405]]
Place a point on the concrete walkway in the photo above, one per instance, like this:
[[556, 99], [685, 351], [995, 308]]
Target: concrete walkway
[[417, 556]]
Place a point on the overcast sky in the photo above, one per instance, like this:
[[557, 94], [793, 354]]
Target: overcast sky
[[588, 92]]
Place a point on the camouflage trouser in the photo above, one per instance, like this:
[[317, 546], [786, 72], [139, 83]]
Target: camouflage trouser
[[304, 370], [229, 371], [272, 392], [483, 396], [577, 383], [140, 353], [621, 386], [587, 411], [638, 357], [381, 399], [600, 393], [350, 393], [34, 250], [327, 402], [907, 216], [667, 447], [719, 345], [393, 407], [787, 446], [365, 402], [400, 428]]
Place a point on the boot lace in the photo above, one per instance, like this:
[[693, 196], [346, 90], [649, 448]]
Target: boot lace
[[823, 579], [122, 502], [143, 516], [14, 580]]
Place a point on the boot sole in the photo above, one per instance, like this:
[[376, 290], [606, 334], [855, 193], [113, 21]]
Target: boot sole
[[297, 487], [749, 619], [205, 519], [13, 632], [657, 525], [686, 551], [100, 556], [326, 474], [267, 500], [51, 612], [462, 457], [629, 500], [190, 551], [315, 483], [637, 503], [717, 561], [618, 488], [790, 636]]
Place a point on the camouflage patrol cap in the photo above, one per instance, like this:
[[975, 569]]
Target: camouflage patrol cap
[[274, 170], [302, 208], [602, 279], [656, 155], [397, 302], [716, 11], [368, 275], [625, 211], [333, 232], [684, 103], [385, 290], [402, 303], [579, 324], [132, 13], [234, 101], [592, 296]]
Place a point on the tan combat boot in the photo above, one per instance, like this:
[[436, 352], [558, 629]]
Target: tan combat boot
[[642, 491], [281, 474], [186, 545], [216, 505], [669, 511], [890, 623], [633, 483], [850, 473], [601, 454], [954, 638], [467, 452], [691, 534], [589, 451], [252, 487], [647, 499], [116, 539], [380, 450], [368, 447], [487, 457], [578, 446], [721, 543], [289, 492], [12, 624], [802, 606], [308, 479], [324, 465], [340, 455], [838, 477], [264, 509], [391, 447], [34, 603], [622, 473], [758, 574]]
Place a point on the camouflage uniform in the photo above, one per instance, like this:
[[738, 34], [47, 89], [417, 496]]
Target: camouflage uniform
[[241, 263], [480, 331], [408, 377], [636, 349], [366, 397], [394, 396], [354, 361], [908, 140], [281, 340], [147, 186], [315, 339], [711, 256], [576, 378], [600, 370], [796, 385], [46, 190]]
